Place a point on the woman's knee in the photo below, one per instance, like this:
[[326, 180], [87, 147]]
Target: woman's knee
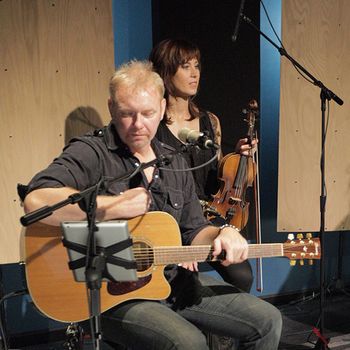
[[239, 275]]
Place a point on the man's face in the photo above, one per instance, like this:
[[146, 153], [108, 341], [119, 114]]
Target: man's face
[[136, 115]]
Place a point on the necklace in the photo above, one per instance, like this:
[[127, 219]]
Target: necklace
[[173, 117]]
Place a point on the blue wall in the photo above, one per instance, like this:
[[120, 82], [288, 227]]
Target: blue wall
[[132, 25]]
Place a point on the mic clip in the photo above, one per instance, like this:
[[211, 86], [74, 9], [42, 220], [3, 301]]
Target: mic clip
[[204, 142], [164, 159]]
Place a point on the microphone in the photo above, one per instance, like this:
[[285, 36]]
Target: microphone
[[238, 21], [197, 138]]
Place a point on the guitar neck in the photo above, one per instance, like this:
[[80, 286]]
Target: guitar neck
[[173, 255]]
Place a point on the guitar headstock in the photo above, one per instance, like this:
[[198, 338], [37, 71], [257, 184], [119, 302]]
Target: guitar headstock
[[302, 248]]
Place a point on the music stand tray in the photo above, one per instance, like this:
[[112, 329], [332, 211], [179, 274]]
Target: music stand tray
[[112, 240]]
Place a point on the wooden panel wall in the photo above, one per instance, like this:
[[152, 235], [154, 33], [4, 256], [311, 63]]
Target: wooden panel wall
[[317, 34], [56, 60]]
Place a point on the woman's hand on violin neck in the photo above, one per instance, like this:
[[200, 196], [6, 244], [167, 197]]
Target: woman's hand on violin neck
[[233, 243], [245, 148]]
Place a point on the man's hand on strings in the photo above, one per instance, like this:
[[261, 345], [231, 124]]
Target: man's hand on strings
[[233, 243]]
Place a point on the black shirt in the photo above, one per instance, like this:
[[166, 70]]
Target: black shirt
[[205, 177], [85, 160]]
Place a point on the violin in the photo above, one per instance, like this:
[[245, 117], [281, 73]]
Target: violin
[[236, 173]]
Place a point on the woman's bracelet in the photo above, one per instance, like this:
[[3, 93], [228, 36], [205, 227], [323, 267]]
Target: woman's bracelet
[[229, 225]]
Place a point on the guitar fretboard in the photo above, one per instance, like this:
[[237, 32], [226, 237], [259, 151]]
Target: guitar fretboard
[[173, 255]]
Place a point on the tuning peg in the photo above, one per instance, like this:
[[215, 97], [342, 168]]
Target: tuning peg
[[292, 262], [311, 262], [300, 236], [291, 236], [301, 262], [309, 235]]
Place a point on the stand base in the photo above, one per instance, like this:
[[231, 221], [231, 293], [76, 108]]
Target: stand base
[[322, 342], [320, 345]]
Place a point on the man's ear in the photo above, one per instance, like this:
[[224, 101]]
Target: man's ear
[[110, 106], [163, 107]]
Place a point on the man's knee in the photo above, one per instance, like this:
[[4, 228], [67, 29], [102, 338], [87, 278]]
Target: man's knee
[[273, 320], [192, 340]]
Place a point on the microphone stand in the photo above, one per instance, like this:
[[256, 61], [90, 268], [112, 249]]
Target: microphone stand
[[325, 95], [95, 263]]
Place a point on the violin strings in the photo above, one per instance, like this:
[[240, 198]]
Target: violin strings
[[240, 177]]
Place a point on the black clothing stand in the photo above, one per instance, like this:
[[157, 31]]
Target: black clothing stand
[[4, 339], [3, 331], [95, 259], [325, 95], [337, 284]]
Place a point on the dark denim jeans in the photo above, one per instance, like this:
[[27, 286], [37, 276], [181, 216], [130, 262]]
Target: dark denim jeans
[[208, 305]]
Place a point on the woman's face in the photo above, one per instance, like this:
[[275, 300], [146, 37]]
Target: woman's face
[[186, 78]]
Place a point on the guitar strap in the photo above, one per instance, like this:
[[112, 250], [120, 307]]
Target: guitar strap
[[106, 252]]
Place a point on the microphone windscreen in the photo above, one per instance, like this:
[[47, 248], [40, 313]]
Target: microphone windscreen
[[183, 133], [187, 135]]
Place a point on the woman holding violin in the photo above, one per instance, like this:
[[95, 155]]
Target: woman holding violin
[[178, 63]]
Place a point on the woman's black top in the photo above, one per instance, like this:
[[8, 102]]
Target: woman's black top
[[206, 177]]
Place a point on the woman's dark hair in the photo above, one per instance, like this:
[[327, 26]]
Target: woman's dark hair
[[166, 57]]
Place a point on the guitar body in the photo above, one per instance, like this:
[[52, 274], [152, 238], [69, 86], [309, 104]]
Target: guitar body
[[51, 283]]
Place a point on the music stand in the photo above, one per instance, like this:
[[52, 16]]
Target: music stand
[[113, 261]]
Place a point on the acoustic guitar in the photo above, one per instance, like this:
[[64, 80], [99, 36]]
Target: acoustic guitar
[[156, 243]]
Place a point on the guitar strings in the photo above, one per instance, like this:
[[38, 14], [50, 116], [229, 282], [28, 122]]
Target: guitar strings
[[273, 249]]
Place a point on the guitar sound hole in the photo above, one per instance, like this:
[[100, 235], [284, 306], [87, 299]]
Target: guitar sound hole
[[143, 254]]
